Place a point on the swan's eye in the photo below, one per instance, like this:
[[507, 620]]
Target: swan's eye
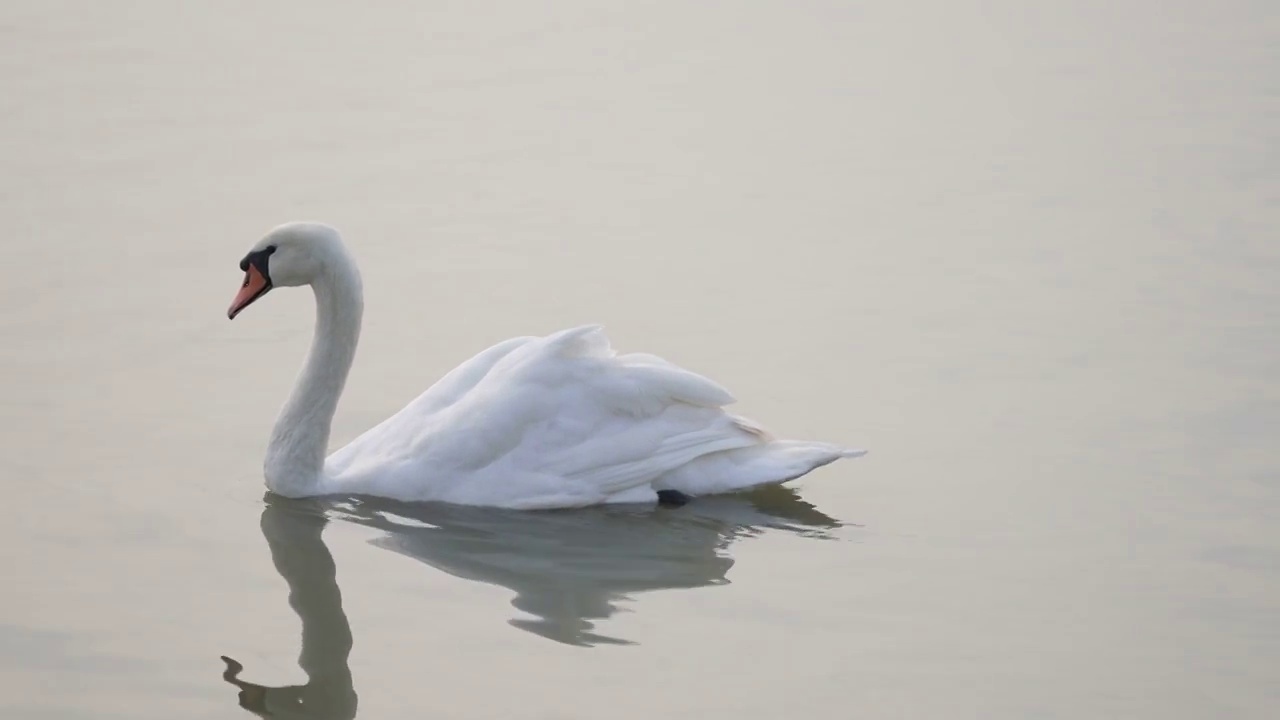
[[259, 258]]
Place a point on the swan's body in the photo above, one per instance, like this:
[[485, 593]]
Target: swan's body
[[532, 422]]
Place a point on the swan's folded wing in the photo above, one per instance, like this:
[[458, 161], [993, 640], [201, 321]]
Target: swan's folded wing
[[552, 421], [397, 434], [606, 421]]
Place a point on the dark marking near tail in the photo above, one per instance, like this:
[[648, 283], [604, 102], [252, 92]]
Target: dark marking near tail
[[672, 498]]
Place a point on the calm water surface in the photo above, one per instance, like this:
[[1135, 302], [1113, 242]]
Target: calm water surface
[[1025, 253]]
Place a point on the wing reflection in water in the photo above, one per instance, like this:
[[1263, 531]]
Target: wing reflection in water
[[571, 568], [568, 569]]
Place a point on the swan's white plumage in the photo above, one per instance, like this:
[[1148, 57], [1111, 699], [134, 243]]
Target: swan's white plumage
[[538, 422]]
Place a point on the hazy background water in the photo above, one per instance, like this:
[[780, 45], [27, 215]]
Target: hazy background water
[[1024, 252]]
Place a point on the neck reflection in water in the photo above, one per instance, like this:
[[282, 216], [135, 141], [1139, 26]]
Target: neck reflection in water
[[292, 530], [568, 569]]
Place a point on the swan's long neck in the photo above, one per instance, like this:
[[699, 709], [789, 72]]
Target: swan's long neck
[[295, 457]]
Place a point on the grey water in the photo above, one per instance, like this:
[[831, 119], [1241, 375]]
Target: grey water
[[1025, 253]]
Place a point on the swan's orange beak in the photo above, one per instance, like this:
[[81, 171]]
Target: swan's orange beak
[[254, 287]]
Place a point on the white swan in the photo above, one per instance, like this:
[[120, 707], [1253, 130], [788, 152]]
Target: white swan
[[531, 423]]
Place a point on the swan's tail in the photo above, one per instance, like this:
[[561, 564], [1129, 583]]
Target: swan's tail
[[768, 463]]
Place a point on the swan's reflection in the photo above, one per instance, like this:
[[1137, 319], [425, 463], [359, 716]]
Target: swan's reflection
[[568, 569]]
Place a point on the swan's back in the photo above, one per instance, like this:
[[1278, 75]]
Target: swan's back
[[563, 421]]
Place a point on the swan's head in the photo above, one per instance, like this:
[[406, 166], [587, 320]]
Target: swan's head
[[293, 254]]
